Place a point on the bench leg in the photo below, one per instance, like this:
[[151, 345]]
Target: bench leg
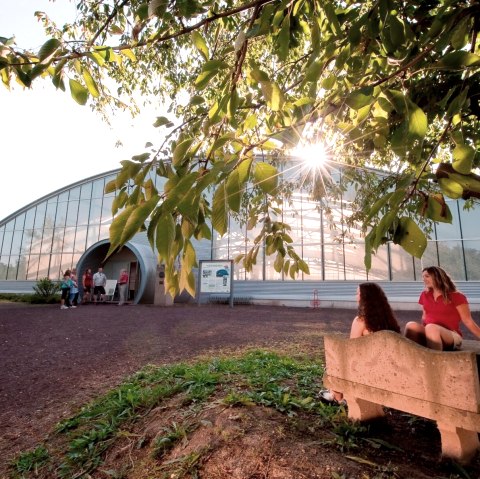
[[458, 443], [361, 410]]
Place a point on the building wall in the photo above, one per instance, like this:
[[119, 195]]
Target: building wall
[[50, 235]]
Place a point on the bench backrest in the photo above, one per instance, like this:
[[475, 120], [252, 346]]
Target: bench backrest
[[390, 362]]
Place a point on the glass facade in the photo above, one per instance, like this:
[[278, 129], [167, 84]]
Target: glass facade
[[49, 236]]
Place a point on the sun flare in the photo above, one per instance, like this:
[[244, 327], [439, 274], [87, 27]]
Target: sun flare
[[313, 155]]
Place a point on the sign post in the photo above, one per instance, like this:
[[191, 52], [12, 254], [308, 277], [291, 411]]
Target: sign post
[[216, 276]]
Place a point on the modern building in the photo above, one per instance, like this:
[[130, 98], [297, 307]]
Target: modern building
[[70, 228]]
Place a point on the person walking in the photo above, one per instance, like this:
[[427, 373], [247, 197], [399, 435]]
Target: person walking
[[444, 308], [99, 283], [122, 287]]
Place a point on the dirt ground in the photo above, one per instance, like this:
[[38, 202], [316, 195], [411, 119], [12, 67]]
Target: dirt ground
[[54, 361]]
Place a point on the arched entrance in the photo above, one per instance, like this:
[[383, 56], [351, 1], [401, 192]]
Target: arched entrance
[[137, 257]]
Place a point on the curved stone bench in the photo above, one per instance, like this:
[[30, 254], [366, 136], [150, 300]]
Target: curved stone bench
[[386, 369]]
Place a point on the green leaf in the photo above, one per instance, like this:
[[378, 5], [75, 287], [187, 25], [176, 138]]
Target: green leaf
[[460, 59], [162, 121], [266, 177], [137, 218], [165, 236], [360, 98], [180, 151], [234, 191], [410, 237], [283, 39], [244, 171], [437, 209], [417, 124], [78, 91], [333, 22], [129, 54], [48, 48], [397, 31], [451, 188], [118, 226], [273, 95], [463, 156], [219, 210], [200, 44], [91, 84], [313, 72]]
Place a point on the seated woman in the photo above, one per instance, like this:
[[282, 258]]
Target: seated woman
[[443, 309], [374, 314]]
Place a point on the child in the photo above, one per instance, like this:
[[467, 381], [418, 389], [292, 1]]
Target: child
[[66, 285]]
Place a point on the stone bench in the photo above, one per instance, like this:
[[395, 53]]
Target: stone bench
[[386, 369]]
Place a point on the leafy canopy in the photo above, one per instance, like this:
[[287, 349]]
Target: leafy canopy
[[390, 84]]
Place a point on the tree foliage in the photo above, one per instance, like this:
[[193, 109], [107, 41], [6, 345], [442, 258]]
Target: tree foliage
[[390, 84]]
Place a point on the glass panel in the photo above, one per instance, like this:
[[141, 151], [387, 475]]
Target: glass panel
[[472, 259], [92, 235], [75, 193], [86, 191], [312, 255], [72, 213], [16, 242], [470, 220], [3, 267], [97, 188], [107, 210], [50, 215], [20, 222], [80, 239], [22, 268], [95, 211], [47, 240], [446, 230], [354, 266], [69, 239], [83, 212], [55, 264], [7, 242], [451, 259], [12, 267], [332, 224], [10, 226], [270, 273], [36, 241], [61, 214], [379, 269], [63, 197], [32, 269], [30, 218], [104, 232], [430, 256], [401, 264], [66, 262], [334, 262], [44, 261], [40, 216], [292, 215], [57, 245]]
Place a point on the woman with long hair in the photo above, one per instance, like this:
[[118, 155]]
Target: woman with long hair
[[444, 307], [374, 314]]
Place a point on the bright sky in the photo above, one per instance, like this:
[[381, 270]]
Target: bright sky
[[47, 140]]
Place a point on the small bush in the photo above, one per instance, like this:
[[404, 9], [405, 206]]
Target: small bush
[[46, 288]]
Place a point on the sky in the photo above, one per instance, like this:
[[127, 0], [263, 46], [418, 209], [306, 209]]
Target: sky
[[47, 140]]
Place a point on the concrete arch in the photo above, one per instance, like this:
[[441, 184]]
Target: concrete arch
[[144, 256]]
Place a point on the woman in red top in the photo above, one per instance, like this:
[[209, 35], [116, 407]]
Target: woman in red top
[[87, 283], [443, 309]]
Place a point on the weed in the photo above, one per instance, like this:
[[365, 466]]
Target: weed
[[31, 461], [168, 439]]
